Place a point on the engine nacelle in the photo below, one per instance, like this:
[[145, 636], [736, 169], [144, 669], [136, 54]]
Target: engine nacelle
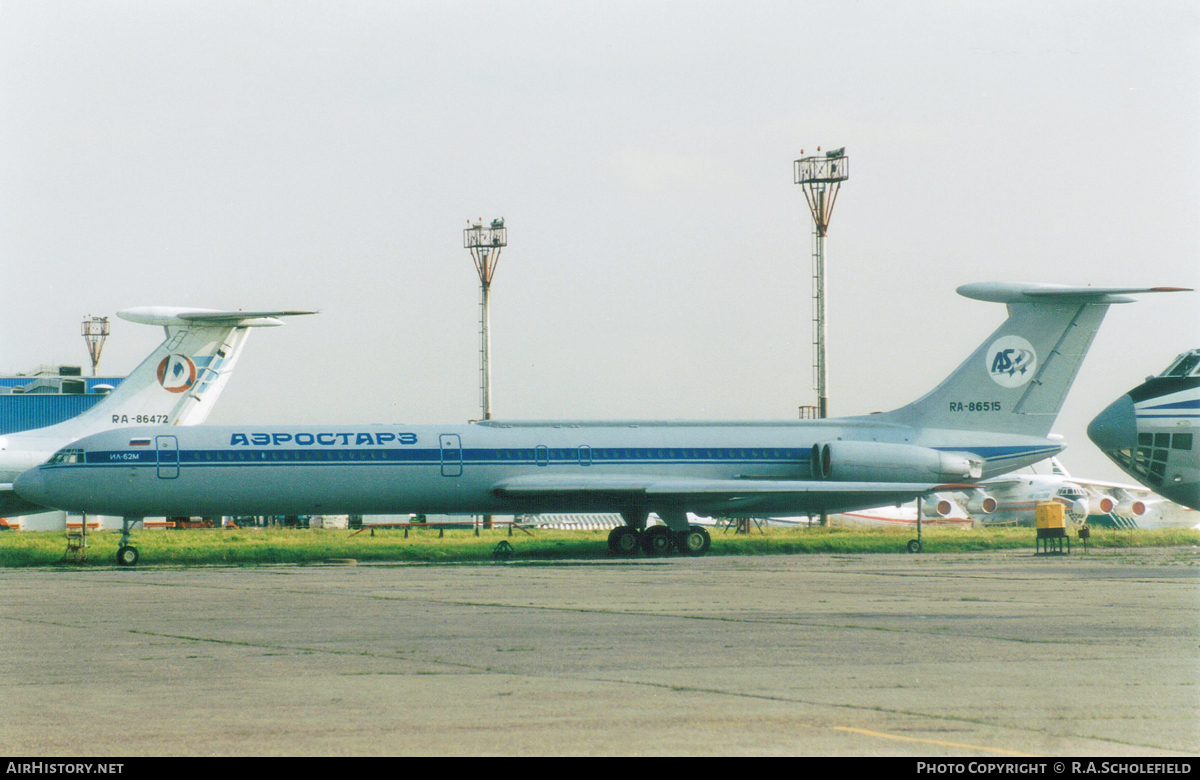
[[937, 507], [981, 504], [1130, 507], [1105, 504], [872, 461]]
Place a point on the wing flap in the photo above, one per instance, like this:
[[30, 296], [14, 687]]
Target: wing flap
[[677, 488]]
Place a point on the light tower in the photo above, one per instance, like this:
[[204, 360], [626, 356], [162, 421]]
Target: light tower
[[95, 331], [821, 176], [485, 244]]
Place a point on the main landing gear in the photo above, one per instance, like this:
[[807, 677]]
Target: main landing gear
[[659, 540], [127, 554]]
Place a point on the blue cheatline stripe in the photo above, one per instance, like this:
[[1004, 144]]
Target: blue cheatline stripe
[[526, 455], [595, 456], [1192, 404], [1001, 453], [1025, 453]]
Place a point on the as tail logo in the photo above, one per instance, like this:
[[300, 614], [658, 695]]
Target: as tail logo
[[176, 373], [1011, 361]]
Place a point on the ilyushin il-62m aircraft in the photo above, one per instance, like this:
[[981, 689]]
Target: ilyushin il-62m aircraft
[[991, 415], [176, 385]]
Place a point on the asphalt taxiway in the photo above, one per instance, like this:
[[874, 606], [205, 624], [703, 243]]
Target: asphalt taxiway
[[996, 654]]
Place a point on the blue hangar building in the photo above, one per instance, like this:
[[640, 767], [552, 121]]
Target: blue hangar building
[[49, 395]]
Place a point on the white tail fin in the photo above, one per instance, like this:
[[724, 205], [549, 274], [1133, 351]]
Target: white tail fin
[[1016, 381], [181, 379]]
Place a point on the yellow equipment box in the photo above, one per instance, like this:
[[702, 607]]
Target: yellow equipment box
[[1050, 514]]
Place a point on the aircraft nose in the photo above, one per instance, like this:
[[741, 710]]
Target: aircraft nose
[[1116, 427], [31, 487]]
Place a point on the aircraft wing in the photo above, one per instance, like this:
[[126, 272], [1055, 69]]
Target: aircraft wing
[[1094, 485], [1101, 486], [720, 491], [998, 483], [12, 505]]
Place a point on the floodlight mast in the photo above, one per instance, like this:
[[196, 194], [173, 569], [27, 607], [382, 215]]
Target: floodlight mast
[[485, 244], [821, 177], [95, 331]]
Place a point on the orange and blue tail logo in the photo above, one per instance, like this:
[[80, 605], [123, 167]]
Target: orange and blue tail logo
[[177, 373]]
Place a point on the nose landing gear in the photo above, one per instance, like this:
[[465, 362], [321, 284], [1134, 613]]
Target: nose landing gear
[[127, 554]]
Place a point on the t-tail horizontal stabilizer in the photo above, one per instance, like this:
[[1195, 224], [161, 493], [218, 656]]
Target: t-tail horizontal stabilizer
[[174, 316], [1017, 380], [181, 379], [1016, 292]]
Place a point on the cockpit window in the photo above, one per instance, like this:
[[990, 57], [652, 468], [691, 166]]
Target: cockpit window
[[1187, 364], [66, 456]]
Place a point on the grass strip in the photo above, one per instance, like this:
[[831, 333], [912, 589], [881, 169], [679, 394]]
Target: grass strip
[[251, 546]]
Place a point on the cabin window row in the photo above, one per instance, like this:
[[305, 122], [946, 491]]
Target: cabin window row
[[289, 455], [606, 453], [536, 454]]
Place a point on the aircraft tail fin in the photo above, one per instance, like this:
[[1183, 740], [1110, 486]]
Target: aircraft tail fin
[[181, 379], [1017, 380]]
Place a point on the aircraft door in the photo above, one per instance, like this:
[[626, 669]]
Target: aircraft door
[[452, 460], [168, 456]]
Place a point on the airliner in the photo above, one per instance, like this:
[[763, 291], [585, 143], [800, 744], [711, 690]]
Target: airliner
[[1151, 432], [993, 414], [176, 385], [1014, 498]]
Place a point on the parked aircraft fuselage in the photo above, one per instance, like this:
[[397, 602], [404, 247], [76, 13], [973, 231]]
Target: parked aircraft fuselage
[[477, 468]]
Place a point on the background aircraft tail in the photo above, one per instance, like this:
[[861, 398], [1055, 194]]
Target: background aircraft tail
[[180, 381], [1016, 381]]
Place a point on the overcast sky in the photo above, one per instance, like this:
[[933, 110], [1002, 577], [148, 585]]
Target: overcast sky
[[327, 155]]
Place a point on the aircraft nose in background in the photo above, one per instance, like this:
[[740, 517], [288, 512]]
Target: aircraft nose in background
[[1116, 427], [31, 487]]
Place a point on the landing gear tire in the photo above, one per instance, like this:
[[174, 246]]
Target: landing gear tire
[[914, 546], [623, 540], [656, 540], [127, 556], [694, 541]]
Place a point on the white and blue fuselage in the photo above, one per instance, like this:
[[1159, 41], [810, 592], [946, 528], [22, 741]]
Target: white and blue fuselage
[[1153, 431], [519, 467], [992, 415]]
